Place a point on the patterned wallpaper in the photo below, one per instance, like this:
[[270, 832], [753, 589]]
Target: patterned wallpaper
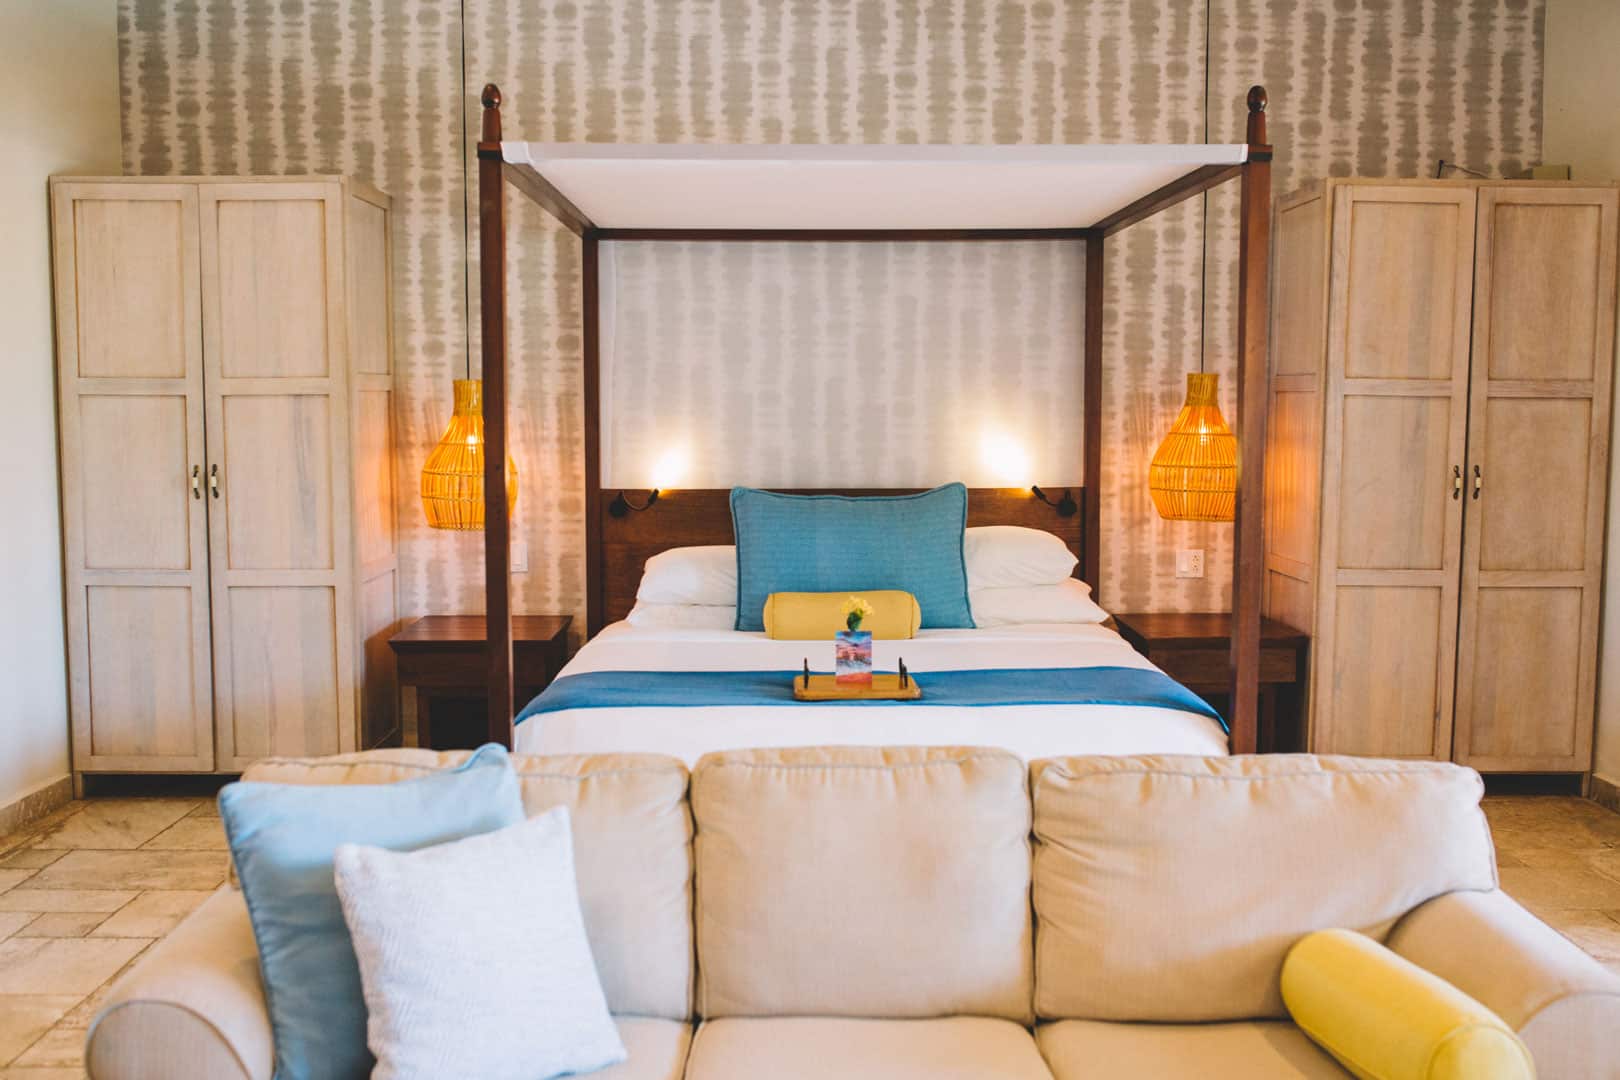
[[370, 87]]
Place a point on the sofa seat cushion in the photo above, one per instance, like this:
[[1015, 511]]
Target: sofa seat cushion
[[1104, 1050], [830, 1048], [657, 1049]]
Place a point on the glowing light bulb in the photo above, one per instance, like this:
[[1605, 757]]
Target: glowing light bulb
[[670, 468], [1004, 457]]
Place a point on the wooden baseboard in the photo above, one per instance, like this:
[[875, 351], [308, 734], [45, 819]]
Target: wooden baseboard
[[1606, 793], [33, 805]]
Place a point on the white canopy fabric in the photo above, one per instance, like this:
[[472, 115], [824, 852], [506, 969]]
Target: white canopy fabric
[[619, 186]]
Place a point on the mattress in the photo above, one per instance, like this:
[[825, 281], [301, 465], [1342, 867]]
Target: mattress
[[1030, 731]]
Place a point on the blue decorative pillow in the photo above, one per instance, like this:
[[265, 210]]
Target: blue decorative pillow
[[283, 838], [834, 543]]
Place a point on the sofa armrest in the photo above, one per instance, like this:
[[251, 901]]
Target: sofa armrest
[[191, 1007], [1564, 1004]]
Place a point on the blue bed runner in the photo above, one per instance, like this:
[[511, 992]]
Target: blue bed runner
[[1141, 687]]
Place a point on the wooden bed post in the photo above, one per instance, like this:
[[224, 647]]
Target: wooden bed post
[[591, 347], [1248, 548], [497, 523], [1091, 568]]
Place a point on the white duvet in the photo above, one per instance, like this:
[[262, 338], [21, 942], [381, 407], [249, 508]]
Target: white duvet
[[1030, 731]]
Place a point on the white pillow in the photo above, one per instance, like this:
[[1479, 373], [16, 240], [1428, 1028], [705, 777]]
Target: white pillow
[[997, 557], [645, 616], [473, 956], [691, 575], [1006, 556], [1066, 602]]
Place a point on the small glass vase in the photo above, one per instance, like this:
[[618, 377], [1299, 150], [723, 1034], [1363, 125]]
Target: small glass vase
[[854, 657]]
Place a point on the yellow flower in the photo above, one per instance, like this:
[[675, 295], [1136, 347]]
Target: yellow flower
[[856, 609]]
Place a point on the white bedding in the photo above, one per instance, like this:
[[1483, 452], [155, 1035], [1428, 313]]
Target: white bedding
[[1030, 731]]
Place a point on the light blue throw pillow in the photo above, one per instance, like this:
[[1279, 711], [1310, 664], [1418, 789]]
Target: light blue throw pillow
[[283, 838], [835, 543]]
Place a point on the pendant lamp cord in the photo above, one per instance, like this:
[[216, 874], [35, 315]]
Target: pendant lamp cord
[[466, 216], [1203, 232]]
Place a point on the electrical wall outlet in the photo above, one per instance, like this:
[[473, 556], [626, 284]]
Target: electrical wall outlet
[[520, 557], [1190, 562]]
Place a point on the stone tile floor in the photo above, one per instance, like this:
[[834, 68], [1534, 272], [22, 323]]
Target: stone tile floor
[[86, 891], [83, 894]]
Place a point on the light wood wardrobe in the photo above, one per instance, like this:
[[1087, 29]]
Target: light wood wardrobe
[[1438, 461], [225, 392]]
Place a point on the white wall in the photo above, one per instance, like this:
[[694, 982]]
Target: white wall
[[58, 113], [1582, 129]]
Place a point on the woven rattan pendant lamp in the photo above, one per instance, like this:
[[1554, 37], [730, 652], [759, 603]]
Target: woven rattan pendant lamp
[[453, 478], [1194, 472]]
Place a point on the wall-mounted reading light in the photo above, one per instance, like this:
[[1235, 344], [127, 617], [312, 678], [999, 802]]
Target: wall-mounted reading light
[[622, 507], [1065, 505]]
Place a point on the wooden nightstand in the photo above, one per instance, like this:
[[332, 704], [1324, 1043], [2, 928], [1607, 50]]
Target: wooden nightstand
[[444, 658], [1194, 649]]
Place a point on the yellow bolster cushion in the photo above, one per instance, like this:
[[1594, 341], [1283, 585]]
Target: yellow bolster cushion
[[817, 616], [1385, 1018]]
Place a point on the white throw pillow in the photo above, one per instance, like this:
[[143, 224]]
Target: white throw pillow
[[474, 959], [1007, 556], [691, 575], [1066, 602], [645, 616]]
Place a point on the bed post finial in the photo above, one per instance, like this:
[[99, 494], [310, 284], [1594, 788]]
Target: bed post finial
[[1257, 115], [491, 100]]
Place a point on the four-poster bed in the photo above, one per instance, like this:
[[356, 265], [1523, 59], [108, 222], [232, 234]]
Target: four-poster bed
[[606, 193]]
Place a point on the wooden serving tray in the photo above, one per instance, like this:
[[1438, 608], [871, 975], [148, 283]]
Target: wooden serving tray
[[885, 687]]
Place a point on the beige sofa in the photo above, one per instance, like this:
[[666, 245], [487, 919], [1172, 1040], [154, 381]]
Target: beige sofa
[[933, 914]]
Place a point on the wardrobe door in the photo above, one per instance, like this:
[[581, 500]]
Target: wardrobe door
[[371, 393], [1544, 315], [1294, 426], [277, 476], [129, 368], [1393, 435]]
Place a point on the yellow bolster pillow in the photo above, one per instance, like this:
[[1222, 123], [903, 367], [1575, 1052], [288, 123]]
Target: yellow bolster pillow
[[1385, 1018], [817, 616]]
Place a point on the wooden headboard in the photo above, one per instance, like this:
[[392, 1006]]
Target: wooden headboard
[[685, 518]]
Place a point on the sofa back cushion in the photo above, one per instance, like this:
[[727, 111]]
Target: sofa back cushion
[[632, 853], [1170, 888], [883, 883]]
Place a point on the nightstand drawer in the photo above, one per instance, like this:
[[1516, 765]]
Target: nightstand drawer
[[1213, 667]]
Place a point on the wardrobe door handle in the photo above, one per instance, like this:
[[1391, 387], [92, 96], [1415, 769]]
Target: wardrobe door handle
[[1479, 482], [196, 481], [213, 480], [1456, 482]]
